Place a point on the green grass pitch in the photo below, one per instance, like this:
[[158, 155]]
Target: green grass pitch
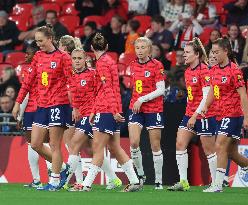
[[16, 194]]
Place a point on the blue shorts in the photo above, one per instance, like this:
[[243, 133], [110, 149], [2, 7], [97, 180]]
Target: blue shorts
[[149, 120], [58, 115], [203, 127], [83, 125], [105, 122], [230, 126], [28, 119]]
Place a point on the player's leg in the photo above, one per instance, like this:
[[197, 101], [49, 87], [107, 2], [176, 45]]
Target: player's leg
[[56, 135], [154, 123], [208, 145], [126, 163], [184, 135], [206, 128], [238, 158], [100, 140], [135, 126]]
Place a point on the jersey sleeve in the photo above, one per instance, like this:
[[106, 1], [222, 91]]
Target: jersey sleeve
[[238, 78], [67, 69], [159, 72], [28, 80]]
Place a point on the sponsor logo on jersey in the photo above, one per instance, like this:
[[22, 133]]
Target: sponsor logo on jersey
[[207, 78], [223, 79], [147, 74], [239, 77], [162, 71], [194, 80], [30, 69], [83, 82], [53, 65]]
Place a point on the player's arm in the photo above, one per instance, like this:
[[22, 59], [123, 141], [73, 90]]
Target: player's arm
[[25, 88]]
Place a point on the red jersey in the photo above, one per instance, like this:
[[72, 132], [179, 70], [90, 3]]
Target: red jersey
[[226, 80], [83, 91], [51, 71], [196, 79], [33, 94], [144, 79], [108, 98]]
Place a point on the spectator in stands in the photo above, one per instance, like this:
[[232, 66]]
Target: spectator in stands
[[159, 35], [38, 20], [7, 5], [137, 7], [87, 8], [111, 8], [237, 12], [6, 105], [180, 63], [205, 13], [59, 29], [9, 78], [186, 27], [237, 41], [11, 92], [114, 35], [174, 8], [8, 33], [89, 33], [159, 54], [214, 35], [132, 28]]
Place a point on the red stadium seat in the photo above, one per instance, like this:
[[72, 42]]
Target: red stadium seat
[[219, 7], [22, 9], [113, 55], [3, 66], [79, 32], [15, 58], [21, 23], [70, 22], [51, 6], [145, 23], [224, 30], [1, 57], [59, 2], [96, 19], [126, 58], [69, 9]]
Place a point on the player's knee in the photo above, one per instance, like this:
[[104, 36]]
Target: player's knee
[[180, 145], [36, 146]]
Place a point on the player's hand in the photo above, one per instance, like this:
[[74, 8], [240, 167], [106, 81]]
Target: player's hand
[[136, 107], [19, 125], [75, 115], [245, 123], [92, 118], [191, 122], [204, 111], [16, 110], [119, 118]]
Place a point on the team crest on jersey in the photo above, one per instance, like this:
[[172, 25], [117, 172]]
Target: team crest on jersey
[[83, 82], [194, 80], [223, 79], [30, 69], [147, 74], [53, 65], [207, 78], [162, 71]]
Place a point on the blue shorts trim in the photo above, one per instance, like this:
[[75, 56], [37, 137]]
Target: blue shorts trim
[[230, 127], [149, 120], [203, 127], [83, 125], [105, 122], [58, 115], [28, 119]]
